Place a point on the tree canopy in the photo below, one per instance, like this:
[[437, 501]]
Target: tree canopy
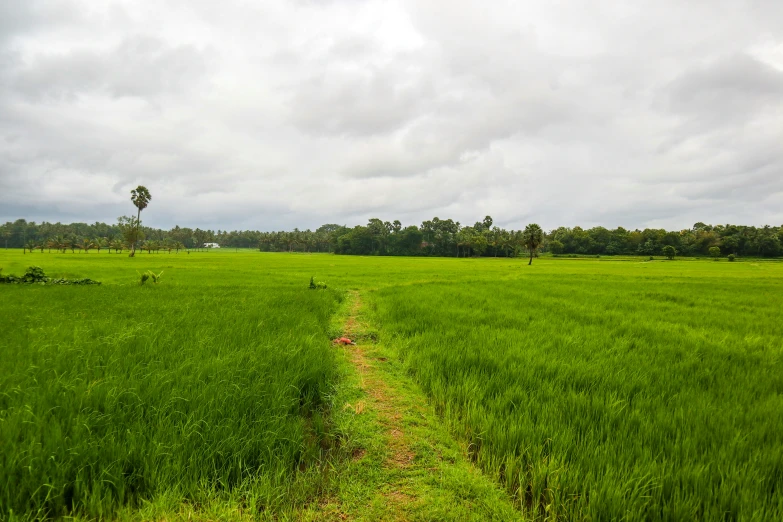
[[433, 237]]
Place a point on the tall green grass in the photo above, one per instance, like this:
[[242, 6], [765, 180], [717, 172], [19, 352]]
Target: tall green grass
[[609, 391], [591, 389], [116, 395]]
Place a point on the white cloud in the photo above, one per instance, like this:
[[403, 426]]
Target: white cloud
[[280, 115]]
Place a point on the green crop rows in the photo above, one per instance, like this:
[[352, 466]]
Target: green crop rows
[[588, 389]]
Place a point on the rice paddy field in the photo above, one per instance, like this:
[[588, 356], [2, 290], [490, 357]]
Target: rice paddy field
[[585, 389]]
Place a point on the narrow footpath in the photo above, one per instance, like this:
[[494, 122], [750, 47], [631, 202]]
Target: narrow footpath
[[403, 465]]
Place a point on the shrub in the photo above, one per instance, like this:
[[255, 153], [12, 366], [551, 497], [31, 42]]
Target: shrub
[[669, 251], [149, 274], [731, 257], [714, 252], [316, 285], [651, 258], [36, 275]]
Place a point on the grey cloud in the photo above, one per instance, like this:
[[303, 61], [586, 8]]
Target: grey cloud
[[140, 66], [359, 102], [732, 88], [21, 17], [281, 115]]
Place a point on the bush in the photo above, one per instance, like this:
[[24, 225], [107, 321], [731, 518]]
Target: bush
[[149, 274], [669, 251], [316, 285], [651, 258], [731, 257], [36, 275]]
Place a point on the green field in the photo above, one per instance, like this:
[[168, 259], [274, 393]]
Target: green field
[[586, 389]]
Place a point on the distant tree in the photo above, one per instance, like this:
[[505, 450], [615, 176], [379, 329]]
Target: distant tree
[[556, 247], [410, 240], [100, 242], [30, 245], [130, 234], [669, 251], [61, 243], [532, 238], [6, 232], [140, 197], [116, 245], [479, 244], [715, 252], [487, 222]]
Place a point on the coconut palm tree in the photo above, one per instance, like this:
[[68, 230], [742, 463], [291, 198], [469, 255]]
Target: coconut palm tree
[[532, 238], [100, 242], [140, 197]]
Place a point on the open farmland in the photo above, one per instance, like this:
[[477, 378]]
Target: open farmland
[[586, 389], [212, 380]]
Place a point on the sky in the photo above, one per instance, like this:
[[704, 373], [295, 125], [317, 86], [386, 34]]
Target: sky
[[270, 115]]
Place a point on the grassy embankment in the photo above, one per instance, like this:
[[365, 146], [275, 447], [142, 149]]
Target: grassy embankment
[[588, 388]]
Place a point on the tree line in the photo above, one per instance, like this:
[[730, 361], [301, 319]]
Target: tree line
[[435, 237]]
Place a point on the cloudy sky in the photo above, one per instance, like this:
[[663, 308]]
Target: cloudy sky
[[270, 115]]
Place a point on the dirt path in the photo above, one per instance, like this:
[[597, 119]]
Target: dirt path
[[404, 465], [389, 406]]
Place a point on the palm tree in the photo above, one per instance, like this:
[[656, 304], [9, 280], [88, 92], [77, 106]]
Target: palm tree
[[100, 242], [140, 197], [30, 245], [116, 245], [52, 243], [6, 233], [86, 245], [532, 238], [59, 243]]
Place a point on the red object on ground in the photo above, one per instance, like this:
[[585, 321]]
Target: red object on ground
[[343, 340]]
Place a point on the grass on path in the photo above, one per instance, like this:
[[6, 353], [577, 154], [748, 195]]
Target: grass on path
[[401, 463]]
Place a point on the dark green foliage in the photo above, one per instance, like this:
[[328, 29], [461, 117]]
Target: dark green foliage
[[731, 257], [316, 285], [669, 251], [149, 275], [435, 237], [36, 275], [532, 238]]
